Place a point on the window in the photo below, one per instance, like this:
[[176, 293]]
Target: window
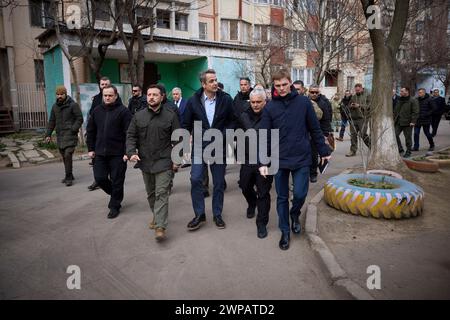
[[261, 34], [203, 30], [332, 9], [350, 83], [102, 10], [245, 32], [311, 41], [143, 16], [298, 40], [39, 71], [401, 54], [230, 30], [306, 75], [181, 22], [234, 30], [163, 19], [419, 54], [350, 53], [298, 74], [420, 26], [40, 13]]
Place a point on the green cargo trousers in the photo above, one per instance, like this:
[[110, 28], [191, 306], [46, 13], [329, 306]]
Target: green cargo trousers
[[358, 127], [157, 187], [407, 132]]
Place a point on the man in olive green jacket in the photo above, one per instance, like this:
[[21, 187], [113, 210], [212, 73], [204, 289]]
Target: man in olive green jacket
[[66, 118], [359, 118], [406, 113], [149, 142]]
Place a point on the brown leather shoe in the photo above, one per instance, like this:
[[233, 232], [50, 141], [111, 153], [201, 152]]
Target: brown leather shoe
[[152, 224], [160, 234]]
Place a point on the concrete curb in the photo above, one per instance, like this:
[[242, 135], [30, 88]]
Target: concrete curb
[[338, 276]]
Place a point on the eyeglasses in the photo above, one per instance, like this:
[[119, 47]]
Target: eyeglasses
[[314, 92], [134, 90]]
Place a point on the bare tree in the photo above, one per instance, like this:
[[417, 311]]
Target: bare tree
[[140, 16], [91, 37], [425, 45], [270, 52], [385, 43], [332, 30]]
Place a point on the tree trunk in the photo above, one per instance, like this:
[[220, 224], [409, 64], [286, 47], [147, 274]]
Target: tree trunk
[[384, 149], [140, 59]]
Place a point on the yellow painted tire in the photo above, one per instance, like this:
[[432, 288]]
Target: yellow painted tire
[[405, 201]]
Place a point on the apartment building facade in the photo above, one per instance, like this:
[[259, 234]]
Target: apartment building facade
[[189, 36]]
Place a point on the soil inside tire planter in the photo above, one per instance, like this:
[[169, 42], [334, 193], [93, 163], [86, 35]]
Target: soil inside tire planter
[[366, 183], [405, 200]]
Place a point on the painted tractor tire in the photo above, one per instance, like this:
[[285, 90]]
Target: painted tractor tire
[[442, 163], [422, 166], [405, 201]]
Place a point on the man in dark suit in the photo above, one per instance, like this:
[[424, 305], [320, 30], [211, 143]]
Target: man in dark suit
[[179, 101], [212, 109]]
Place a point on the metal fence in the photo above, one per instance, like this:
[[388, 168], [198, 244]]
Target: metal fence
[[32, 106]]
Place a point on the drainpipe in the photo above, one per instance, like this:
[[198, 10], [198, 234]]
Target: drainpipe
[[172, 18], [9, 44], [240, 9]]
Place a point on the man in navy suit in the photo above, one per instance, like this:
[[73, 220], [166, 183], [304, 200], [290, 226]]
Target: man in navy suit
[[214, 110], [179, 101]]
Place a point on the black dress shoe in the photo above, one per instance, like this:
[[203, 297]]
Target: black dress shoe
[[69, 182], [196, 223], [284, 241], [113, 213], [250, 213], [313, 178], [296, 227], [93, 186], [219, 222], [262, 232]]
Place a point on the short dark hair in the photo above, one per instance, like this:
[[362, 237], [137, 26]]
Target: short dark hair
[[358, 85], [422, 89], [137, 85], [204, 73], [155, 86], [220, 85], [111, 87], [280, 74], [104, 79], [406, 88], [245, 78], [300, 82]]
